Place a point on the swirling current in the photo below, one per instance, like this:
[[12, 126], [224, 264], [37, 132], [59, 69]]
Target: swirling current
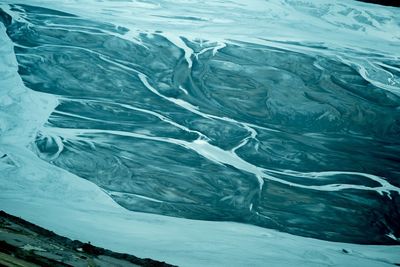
[[300, 137]]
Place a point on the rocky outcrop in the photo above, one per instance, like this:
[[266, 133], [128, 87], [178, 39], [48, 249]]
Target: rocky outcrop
[[25, 244], [383, 2]]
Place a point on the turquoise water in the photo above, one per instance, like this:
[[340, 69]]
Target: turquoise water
[[284, 135]]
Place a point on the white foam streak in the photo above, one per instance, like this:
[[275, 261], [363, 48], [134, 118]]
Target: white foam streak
[[177, 41], [221, 156]]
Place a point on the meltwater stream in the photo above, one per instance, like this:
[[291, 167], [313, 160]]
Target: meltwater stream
[[298, 136]]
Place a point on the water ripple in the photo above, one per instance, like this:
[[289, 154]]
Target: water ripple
[[295, 136]]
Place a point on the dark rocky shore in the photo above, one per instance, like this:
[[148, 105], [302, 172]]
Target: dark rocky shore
[[395, 3], [25, 244]]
